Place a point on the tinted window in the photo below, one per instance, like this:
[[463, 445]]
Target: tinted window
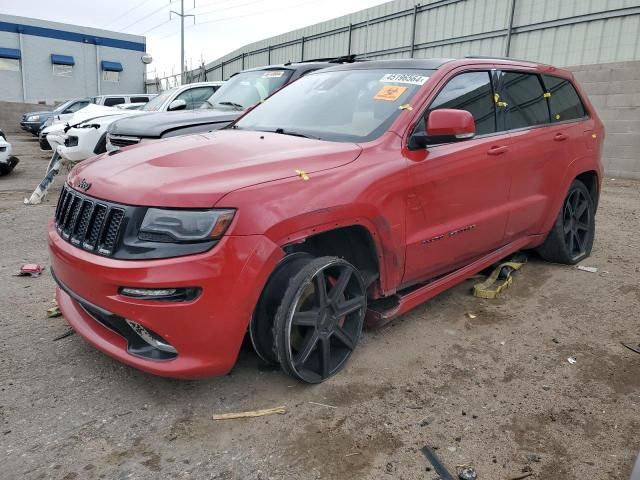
[[195, 97], [472, 92], [111, 101], [76, 106], [564, 102], [139, 99], [526, 103]]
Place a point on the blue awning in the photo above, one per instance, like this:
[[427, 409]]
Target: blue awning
[[10, 53], [62, 59], [111, 66]]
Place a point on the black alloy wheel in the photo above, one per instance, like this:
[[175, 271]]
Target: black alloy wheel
[[320, 319], [571, 238], [576, 222]]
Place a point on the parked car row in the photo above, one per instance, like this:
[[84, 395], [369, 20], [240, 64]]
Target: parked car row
[[7, 160], [350, 196]]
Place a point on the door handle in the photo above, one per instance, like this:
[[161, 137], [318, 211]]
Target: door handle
[[559, 137], [497, 150]]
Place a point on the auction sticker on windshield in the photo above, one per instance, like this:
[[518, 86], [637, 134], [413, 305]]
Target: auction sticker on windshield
[[275, 74], [404, 78], [390, 93]]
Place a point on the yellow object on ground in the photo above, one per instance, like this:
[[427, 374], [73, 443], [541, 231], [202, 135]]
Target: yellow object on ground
[[492, 287], [250, 414]]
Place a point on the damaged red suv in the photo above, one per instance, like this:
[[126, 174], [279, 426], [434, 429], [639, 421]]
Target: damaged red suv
[[346, 199]]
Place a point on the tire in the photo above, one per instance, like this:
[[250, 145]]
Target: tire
[[261, 326], [319, 321], [571, 238]]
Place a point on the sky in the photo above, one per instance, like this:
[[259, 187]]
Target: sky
[[220, 27]]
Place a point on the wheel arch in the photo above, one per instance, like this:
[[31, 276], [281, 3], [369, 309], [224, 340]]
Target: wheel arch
[[357, 242], [591, 180]]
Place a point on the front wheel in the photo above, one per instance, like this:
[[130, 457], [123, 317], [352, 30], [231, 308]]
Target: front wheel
[[571, 238], [319, 321]]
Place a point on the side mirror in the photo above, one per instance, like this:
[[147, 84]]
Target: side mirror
[[177, 105], [445, 126]]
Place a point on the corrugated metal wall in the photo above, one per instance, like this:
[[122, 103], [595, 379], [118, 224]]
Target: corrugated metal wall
[[560, 32]]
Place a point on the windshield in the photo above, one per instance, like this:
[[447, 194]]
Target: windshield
[[246, 89], [343, 106], [155, 103], [62, 107]]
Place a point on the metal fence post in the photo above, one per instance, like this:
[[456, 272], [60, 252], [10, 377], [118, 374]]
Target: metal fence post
[[507, 47], [349, 41], [302, 49], [413, 28], [269, 55]]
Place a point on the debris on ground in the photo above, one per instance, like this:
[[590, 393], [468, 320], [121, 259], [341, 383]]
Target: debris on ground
[[426, 421], [520, 477], [66, 334], [572, 360], [471, 315], [29, 269], [466, 473], [500, 278], [587, 269], [634, 347], [438, 466], [54, 312], [322, 405], [250, 414]]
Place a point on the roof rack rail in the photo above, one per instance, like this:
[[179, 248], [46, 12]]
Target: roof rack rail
[[491, 57], [344, 59]]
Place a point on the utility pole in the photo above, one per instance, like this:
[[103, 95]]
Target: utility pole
[[182, 17]]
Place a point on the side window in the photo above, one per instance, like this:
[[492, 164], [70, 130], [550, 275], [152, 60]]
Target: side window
[[564, 101], [471, 91], [75, 107], [526, 105], [111, 101], [195, 97], [139, 99]]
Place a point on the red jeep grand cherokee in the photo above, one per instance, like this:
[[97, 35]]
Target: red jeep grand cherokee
[[349, 197]]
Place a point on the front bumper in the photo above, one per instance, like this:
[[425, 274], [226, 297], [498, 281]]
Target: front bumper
[[87, 141], [31, 127], [206, 332]]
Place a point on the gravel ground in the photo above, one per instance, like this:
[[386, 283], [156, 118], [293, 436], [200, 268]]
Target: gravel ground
[[495, 392]]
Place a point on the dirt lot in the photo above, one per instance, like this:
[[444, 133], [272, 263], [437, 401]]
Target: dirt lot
[[495, 392]]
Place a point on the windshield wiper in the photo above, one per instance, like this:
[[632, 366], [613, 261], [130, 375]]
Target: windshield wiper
[[237, 106], [295, 134]]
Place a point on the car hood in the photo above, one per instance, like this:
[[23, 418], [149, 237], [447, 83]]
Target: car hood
[[196, 171], [155, 124]]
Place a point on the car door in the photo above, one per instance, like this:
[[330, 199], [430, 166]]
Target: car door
[[458, 209], [541, 149], [196, 97]]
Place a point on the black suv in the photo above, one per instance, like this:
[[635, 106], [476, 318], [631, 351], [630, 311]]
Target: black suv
[[242, 91]]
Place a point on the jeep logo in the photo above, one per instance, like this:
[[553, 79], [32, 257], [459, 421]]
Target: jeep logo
[[84, 185]]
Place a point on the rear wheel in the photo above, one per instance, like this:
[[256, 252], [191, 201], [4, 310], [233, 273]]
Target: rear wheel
[[319, 321], [571, 238]]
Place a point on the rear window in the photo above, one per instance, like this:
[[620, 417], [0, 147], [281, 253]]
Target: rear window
[[139, 99], [564, 101], [526, 105], [111, 101]]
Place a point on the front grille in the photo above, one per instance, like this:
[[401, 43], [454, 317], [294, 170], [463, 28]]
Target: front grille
[[88, 223], [118, 141]]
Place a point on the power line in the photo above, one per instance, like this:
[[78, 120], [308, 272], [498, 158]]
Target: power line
[[207, 12], [145, 17], [126, 13], [256, 13]]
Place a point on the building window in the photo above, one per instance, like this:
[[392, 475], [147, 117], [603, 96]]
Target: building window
[[108, 76], [62, 70], [9, 64], [10, 59], [62, 65]]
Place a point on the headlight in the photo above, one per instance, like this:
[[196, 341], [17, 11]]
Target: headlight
[[184, 226], [71, 141], [33, 118]]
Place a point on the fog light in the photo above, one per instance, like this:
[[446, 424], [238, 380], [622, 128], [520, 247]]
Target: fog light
[[148, 292], [148, 337], [165, 294]]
